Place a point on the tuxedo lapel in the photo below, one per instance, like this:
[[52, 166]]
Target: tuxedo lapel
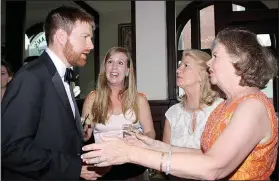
[[58, 84], [78, 119]]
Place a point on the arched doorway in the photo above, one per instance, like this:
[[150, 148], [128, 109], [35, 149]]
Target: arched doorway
[[199, 22]]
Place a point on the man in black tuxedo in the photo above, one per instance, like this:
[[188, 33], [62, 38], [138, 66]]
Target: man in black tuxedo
[[41, 130]]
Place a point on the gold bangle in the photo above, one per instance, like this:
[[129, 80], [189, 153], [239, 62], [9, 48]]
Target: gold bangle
[[161, 163]]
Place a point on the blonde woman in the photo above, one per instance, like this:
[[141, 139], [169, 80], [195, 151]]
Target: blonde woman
[[115, 102], [185, 121]]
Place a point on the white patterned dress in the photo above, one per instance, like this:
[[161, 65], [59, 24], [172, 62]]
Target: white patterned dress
[[181, 126]]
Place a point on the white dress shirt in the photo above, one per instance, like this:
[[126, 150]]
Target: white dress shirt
[[61, 69]]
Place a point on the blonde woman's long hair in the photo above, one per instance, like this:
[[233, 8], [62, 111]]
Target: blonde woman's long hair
[[207, 94], [128, 96]]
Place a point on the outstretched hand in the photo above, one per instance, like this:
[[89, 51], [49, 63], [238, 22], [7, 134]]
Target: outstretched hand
[[112, 151], [139, 140], [143, 141]]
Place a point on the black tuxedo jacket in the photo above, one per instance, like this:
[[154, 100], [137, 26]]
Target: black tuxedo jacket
[[40, 138]]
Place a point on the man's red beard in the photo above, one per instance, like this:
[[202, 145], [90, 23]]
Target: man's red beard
[[74, 58]]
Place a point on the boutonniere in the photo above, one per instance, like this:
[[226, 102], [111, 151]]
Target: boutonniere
[[76, 89]]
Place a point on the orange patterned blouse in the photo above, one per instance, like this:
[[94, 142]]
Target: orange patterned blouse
[[260, 163]]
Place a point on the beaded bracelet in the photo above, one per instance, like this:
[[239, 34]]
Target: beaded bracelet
[[161, 163], [169, 161]]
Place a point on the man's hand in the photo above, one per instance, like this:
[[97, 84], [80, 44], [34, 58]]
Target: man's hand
[[89, 173]]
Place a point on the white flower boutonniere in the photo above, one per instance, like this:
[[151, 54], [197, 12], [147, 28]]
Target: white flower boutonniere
[[76, 89]]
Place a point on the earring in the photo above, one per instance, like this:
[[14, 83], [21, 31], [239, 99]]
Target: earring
[[127, 74]]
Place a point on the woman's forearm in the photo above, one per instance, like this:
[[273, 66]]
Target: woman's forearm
[[185, 165], [164, 147], [186, 150]]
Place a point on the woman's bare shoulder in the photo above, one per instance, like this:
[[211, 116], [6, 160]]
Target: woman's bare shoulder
[[90, 97], [142, 98], [140, 94]]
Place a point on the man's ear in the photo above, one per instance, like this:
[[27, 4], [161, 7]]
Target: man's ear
[[61, 36]]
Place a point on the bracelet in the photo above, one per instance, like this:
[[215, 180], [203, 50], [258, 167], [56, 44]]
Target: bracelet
[[169, 161], [161, 163]]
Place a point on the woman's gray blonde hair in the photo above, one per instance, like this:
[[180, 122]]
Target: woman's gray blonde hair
[[207, 94]]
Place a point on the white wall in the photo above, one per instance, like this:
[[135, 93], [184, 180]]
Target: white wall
[[151, 54], [109, 29]]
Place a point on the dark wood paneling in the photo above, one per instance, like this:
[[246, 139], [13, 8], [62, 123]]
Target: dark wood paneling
[[15, 28], [158, 110], [222, 11], [133, 26], [195, 30], [274, 48], [171, 48], [259, 21], [254, 15]]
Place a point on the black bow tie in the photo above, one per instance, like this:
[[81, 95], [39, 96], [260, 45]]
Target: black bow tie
[[69, 75]]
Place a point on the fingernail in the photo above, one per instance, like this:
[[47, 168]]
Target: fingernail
[[83, 149], [81, 156]]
